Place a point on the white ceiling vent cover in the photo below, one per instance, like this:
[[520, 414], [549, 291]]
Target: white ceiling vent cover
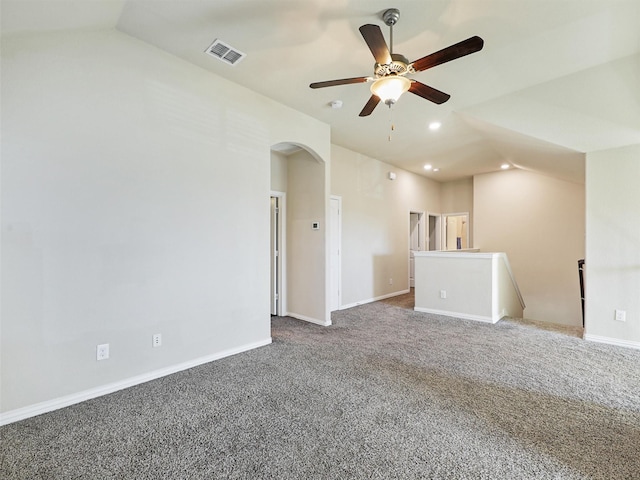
[[225, 52]]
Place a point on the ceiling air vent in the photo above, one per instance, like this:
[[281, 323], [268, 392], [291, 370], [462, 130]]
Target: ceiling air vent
[[225, 52]]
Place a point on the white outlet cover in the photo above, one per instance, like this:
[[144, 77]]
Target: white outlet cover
[[621, 316], [102, 351]]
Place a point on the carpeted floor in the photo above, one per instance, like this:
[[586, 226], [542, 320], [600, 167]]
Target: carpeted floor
[[384, 393]]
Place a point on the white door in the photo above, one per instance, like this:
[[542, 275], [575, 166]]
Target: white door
[[275, 253], [335, 253]]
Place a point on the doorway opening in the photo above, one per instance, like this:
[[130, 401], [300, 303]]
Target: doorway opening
[[416, 241], [300, 269], [335, 247], [277, 243], [456, 231], [435, 232]]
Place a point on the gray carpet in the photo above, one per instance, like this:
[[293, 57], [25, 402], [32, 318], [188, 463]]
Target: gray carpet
[[384, 393]]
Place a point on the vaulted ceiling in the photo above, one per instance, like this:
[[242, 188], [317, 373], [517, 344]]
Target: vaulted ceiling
[[555, 79]]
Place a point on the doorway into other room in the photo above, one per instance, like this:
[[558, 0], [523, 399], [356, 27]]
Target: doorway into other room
[[416, 241], [335, 232], [277, 252]]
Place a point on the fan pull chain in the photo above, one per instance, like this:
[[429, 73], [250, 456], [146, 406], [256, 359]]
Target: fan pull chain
[[392, 126]]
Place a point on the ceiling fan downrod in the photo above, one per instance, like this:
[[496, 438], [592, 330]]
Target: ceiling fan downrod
[[390, 18], [398, 65]]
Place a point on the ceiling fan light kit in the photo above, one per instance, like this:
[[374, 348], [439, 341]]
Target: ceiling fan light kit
[[391, 69], [389, 88]]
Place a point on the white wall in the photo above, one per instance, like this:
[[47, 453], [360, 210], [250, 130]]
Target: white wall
[[539, 223], [466, 279], [457, 197], [613, 245], [306, 248], [279, 172], [135, 200], [375, 223], [475, 286]]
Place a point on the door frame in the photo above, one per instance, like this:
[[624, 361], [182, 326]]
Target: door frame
[[445, 217], [422, 238], [438, 228], [337, 235], [281, 279]]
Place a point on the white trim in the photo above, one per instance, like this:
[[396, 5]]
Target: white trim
[[422, 240], [465, 316], [421, 230], [68, 400], [282, 304], [443, 227], [438, 239], [322, 323], [338, 198], [371, 300], [327, 241], [612, 341], [495, 289], [468, 253]]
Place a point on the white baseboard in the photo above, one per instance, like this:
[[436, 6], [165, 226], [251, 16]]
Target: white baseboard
[[371, 300], [612, 341], [465, 316], [61, 402], [299, 316]]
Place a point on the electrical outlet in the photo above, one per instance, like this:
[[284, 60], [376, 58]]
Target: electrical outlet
[[621, 316], [102, 351], [391, 281], [156, 340], [443, 294]]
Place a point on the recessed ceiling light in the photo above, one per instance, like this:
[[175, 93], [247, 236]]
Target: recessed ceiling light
[[436, 169], [434, 125], [504, 166], [428, 167]]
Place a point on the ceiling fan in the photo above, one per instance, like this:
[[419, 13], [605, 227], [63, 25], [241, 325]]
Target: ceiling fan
[[391, 69]]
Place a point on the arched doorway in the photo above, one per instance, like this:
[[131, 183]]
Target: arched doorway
[[299, 234]]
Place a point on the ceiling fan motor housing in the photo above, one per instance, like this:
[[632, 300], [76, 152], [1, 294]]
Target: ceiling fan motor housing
[[399, 66]]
